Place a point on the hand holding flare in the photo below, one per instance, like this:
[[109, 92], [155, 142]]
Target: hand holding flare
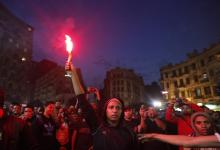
[[71, 71]]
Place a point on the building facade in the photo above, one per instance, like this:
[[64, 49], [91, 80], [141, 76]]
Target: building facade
[[125, 84], [197, 78], [54, 85], [16, 38]]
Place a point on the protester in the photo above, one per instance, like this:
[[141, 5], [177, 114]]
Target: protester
[[28, 115], [154, 125], [182, 120], [45, 128], [128, 120], [81, 137], [15, 134], [16, 111], [202, 125], [110, 134]]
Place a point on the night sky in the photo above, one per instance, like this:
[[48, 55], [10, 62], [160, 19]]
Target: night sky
[[139, 34]]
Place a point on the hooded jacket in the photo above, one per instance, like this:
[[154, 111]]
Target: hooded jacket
[[106, 137], [195, 131]]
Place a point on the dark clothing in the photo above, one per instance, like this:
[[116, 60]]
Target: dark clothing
[[106, 137], [83, 139], [114, 138], [131, 124], [154, 145], [45, 131], [16, 135]]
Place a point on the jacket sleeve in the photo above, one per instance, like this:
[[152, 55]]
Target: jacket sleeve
[[195, 107], [89, 113], [169, 116]]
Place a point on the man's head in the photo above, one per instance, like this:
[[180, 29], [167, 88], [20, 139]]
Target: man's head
[[28, 112], [58, 104], [202, 124], [128, 113], [49, 108], [16, 109], [113, 111], [151, 112], [186, 109]]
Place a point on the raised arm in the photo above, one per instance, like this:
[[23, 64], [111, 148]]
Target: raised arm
[[77, 86], [186, 141], [142, 126], [88, 111]]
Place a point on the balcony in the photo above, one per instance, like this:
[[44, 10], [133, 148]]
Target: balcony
[[204, 80]]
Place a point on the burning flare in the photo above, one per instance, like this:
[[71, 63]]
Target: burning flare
[[69, 44]]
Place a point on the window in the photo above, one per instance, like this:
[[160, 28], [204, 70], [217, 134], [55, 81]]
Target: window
[[29, 29], [207, 91], [217, 90], [204, 76], [211, 73], [195, 79], [187, 81], [175, 84], [193, 66], [198, 93], [186, 70], [181, 83], [166, 75], [168, 86], [122, 89], [210, 58], [180, 71], [202, 63], [174, 73]]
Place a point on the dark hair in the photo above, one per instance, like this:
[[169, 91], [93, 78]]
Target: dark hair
[[16, 104], [48, 103], [29, 106], [126, 108]]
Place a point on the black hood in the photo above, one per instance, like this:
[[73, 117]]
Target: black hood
[[104, 117]]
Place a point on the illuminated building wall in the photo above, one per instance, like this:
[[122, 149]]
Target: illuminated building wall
[[53, 85], [197, 78], [125, 84], [16, 39]]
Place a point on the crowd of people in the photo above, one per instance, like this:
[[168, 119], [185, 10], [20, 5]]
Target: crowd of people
[[82, 124]]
